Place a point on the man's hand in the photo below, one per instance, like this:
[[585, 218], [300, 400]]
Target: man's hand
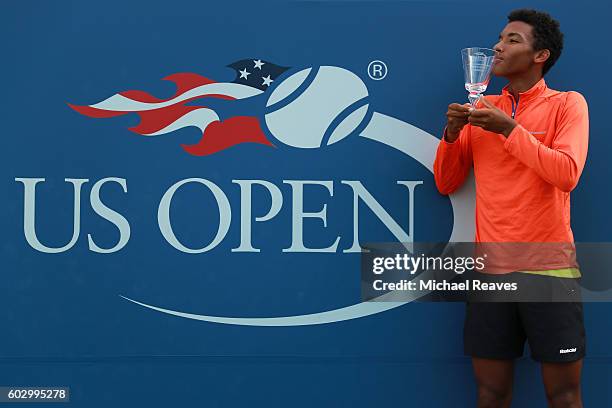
[[492, 119], [456, 118]]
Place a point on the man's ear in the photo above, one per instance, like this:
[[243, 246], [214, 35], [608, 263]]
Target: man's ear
[[541, 56]]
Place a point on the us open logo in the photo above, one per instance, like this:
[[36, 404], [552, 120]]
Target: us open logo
[[309, 108]]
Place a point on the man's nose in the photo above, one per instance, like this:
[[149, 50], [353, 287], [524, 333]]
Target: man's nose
[[498, 48]]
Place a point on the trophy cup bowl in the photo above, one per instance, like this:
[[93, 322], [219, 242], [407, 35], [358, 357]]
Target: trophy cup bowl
[[477, 67]]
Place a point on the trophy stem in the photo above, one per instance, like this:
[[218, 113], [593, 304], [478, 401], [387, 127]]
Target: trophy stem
[[474, 98]]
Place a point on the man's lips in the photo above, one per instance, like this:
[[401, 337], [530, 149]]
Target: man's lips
[[497, 60]]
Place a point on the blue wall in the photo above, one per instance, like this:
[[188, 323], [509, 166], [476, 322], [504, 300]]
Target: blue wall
[[63, 321]]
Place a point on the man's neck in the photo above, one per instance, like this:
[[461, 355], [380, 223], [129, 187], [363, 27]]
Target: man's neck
[[522, 84]]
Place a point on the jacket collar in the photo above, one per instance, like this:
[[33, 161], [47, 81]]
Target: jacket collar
[[533, 92]]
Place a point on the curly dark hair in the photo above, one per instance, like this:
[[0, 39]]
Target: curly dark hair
[[546, 33]]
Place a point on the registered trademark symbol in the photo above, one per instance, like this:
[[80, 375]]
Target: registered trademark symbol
[[377, 70]]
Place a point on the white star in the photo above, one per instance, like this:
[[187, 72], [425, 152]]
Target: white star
[[244, 74], [267, 80], [258, 63]]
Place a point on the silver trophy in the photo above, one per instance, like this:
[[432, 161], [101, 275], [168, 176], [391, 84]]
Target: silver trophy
[[477, 67]]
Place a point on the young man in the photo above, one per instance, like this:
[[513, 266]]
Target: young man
[[528, 147]]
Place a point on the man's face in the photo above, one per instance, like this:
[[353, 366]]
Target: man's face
[[515, 54]]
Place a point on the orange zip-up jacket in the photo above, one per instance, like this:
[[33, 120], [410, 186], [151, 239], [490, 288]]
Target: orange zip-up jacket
[[523, 182]]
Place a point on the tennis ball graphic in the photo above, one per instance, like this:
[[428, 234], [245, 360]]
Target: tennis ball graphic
[[318, 113]]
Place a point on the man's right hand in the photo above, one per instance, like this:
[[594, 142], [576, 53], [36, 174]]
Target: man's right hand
[[456, 119]]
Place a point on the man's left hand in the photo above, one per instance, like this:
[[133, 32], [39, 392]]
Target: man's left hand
[[492, 119]]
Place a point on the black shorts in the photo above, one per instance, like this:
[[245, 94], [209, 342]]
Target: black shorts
[[498, 330]]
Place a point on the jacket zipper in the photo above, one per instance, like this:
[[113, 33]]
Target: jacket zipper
[[514, 105]]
